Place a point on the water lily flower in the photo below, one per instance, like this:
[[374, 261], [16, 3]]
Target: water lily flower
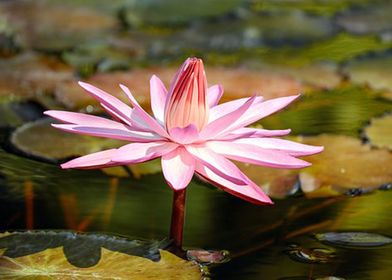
[[191, 132]]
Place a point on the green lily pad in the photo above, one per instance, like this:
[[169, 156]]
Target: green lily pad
[[344, 110], [40, 139], [354, 239], [30, 76], [369, 20], [78, 256], [54, 27], [379, 132], [175, 12], [373, 71]]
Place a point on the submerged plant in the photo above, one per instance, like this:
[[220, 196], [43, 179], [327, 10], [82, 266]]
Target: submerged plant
[[192, 133]]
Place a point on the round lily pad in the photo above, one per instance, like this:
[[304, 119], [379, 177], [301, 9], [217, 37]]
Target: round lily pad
[[69, 255], [40, 139], [379, 132], [354, 239]]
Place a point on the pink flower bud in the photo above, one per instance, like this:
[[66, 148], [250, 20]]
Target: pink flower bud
[[187, 102]]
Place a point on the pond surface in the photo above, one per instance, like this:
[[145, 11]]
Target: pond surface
[[338, 54]]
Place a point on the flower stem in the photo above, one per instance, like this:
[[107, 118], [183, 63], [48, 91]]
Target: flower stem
[[177, 220]]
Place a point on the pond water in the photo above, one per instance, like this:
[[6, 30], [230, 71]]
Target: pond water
[[337, 54]]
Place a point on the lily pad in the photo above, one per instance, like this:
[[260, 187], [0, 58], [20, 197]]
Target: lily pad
[[54, 27], [379, 132], [41, 140], [373, 71], [68, 255], [31, 76], [343, 110], [312, 255], [345, 163], [369, 20], [354, 239], [175, 12]]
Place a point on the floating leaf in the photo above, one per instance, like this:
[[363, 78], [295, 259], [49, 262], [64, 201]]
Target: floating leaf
[[313, 255], [369, 20], [123, 260], [40, 139], [175, 11], [373, 71], [354, 239], [344, 110], [379, 132], [345, 163], [55, 27]]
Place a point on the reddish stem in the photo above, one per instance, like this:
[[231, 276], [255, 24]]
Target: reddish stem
[[178, 214]]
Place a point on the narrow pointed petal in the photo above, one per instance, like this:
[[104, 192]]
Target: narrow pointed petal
[[140, 152], [178, 167], [115, 133], [217, 163], [94, 160], [256, 155], [248, 132], [226, 122], [290, 147], [214, 94], [158, 94], [82, 119], [220, 110], [249, 192], [184, 135], [121, 110], [263, 109], [143, 116]]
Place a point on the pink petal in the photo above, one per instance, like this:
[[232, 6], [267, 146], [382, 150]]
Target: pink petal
[[249, 192], [254, 154], [220, 110], [95, 160], [158, 94], [83, 119], [263, 109], [140, 152], [115, 133], [184, 135], [178, 167], [214, 94], [143, 116], [217, 163], [220, 125], [290, 147], [248, 132], [118, 108]]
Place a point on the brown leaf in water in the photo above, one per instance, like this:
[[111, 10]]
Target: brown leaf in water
[[52, 264], [379, 132]]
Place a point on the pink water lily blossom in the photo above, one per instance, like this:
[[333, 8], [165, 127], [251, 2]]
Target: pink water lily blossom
[[190, 131]]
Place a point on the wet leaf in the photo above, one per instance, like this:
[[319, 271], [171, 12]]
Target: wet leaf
[[344, 110], [31, 76], [379, 132], [40, 139], [373, 71], [111, 263], [58, 27], [175, 11], [208, 256], [369, 20], [345, 163], [354, 239], [312, 255]]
